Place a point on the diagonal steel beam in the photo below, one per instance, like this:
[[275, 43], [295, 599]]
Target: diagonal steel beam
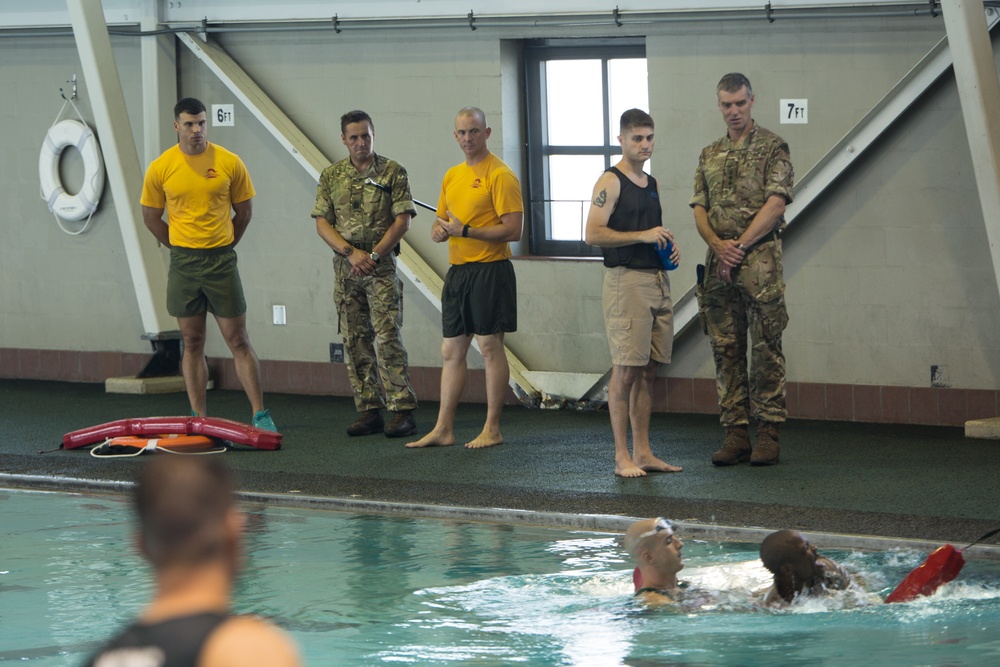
[[123, 169], [979, 93], [281, 127]]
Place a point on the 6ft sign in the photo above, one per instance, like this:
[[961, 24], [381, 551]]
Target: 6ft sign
[[222, 115]]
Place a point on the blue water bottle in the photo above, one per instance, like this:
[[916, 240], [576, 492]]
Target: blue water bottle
[[664, 254]]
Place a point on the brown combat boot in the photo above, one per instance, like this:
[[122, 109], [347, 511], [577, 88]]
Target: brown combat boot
[[367, 423], [403, 423], [765, 453], [735, 448]]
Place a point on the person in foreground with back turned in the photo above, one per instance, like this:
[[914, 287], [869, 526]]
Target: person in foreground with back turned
[[191, 531]]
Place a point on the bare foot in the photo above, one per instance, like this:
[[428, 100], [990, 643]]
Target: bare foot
[[653, 464], [434, 439], [626, 468], [485, 439]]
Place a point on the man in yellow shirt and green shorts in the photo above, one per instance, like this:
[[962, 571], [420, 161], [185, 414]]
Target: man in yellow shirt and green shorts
[[207, 193]]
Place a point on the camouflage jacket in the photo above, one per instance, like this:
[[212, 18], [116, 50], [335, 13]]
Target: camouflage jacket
[[359, 210], [733, 180]]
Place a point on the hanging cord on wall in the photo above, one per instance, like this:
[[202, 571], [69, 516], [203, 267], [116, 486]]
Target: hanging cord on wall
[[69, 101]]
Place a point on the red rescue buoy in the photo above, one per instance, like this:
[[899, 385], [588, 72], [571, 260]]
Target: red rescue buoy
[[223, 429], [942, 566]]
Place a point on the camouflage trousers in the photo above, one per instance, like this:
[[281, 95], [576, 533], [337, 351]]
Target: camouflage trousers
[[753, 303], [370, 319]]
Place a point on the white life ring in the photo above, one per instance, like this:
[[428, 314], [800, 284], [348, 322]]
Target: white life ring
[[61, 135]]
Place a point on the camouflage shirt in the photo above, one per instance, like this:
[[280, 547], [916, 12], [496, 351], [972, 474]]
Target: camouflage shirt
[[734, 180], [359, 211]]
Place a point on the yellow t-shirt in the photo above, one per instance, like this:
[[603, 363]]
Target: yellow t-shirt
[[198, 192], [478, 196]]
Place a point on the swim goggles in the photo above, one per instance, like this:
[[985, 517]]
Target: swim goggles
[[660, 525]]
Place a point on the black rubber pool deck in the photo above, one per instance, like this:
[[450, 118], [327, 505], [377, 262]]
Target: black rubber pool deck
[[928, 483]]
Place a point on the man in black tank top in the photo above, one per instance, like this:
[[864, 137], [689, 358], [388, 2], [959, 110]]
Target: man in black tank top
[[191, 532], [625, 220]]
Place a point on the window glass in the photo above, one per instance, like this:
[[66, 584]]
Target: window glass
[[627, 89], [576, 91], [571, 182], [574, 100]]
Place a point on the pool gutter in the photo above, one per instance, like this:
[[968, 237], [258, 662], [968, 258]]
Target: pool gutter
[[591, 522]]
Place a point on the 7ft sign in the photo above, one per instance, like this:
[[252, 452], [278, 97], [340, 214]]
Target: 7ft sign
[[793, 111]]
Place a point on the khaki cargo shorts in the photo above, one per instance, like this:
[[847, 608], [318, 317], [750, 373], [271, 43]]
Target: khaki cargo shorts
[[638, 315]]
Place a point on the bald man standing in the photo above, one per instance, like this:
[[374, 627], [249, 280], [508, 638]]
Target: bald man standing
[[479, 213]]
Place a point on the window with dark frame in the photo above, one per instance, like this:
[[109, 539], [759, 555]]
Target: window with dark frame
[[576, 90]]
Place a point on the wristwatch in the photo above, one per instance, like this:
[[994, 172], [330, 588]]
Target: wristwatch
[[348, 250], [374, 256]]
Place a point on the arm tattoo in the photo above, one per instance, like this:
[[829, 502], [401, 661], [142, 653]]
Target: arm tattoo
[[601, 198]]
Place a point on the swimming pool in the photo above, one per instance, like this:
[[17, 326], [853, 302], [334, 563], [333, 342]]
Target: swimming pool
[[358, 589]]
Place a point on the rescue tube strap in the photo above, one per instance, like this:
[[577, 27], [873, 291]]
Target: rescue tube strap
[[985, 536]]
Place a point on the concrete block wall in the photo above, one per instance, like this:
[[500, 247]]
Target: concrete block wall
[[58, 291], [888, 275]]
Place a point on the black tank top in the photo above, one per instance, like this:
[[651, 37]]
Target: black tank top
[[638, 209], [177, 642]]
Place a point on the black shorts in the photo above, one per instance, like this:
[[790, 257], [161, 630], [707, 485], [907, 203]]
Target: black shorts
[[479, 298]]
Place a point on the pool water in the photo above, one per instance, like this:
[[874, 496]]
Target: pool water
[[373, 590]]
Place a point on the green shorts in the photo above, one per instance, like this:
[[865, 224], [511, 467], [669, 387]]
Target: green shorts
[[202, 280]]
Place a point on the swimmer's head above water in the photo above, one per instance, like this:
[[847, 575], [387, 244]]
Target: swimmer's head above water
[[797, 567], [656, 549], [787, 553]]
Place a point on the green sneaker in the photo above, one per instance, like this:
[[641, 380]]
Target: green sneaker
[[262, 420]]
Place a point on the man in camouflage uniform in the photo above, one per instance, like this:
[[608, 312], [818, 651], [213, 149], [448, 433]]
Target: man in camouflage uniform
[[363, 208], [741, 187]]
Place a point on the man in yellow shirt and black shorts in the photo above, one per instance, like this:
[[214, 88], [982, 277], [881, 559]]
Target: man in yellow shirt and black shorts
[[479, 213], [207, 193]]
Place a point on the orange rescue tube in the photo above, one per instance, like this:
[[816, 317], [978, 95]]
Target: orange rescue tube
[[165, 441]]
